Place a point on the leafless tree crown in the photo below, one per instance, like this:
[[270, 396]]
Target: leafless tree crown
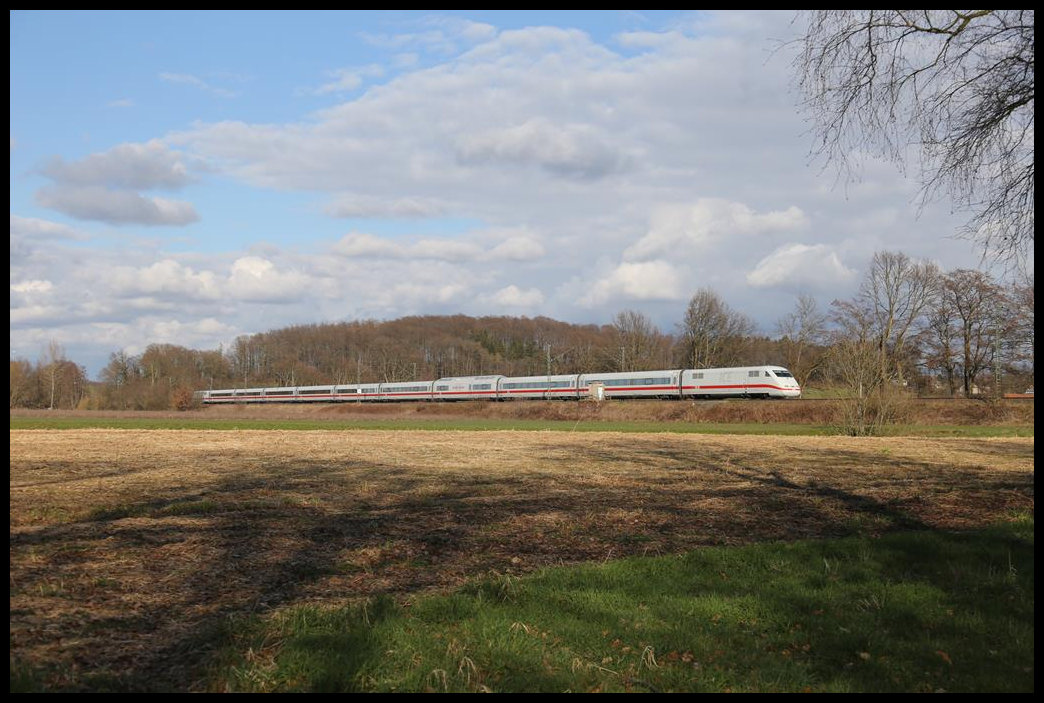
[[954, 85]]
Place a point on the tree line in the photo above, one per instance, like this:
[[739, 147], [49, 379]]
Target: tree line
[[909, 328]]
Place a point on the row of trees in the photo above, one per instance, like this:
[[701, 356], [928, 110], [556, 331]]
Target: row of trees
[[52, 382], [910, 326]]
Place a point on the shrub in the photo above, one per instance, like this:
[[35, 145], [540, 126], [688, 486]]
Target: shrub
[[183, 399]]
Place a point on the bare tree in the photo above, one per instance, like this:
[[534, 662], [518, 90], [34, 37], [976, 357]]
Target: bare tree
[[980, 308], [939, 342], [637, 338], [801, 333], [713, 334], [955, 84], [871, 401], [24, 386], [894, 296], [1022, 318], [51, 366]]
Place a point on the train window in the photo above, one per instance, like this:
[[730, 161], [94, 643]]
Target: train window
[[753, 374], [698, 374], [442, 388], [782, 373]]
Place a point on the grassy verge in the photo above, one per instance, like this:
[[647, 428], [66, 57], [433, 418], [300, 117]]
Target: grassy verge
[[917, 612], [499, 424]]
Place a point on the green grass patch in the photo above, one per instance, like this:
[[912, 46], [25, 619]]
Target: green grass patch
[[909, 612], [965, 431], [499, 424]]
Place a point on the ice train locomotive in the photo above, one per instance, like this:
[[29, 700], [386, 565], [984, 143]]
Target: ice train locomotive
[[740, 382]]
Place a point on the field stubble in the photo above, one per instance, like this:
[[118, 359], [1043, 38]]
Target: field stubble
[[130, 548]]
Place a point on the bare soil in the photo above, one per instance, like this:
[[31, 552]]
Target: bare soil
[[131, 549]]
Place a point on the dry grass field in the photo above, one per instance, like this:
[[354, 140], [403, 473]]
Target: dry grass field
[[129, 549]]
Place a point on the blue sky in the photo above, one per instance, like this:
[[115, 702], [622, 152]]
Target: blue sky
[[188, 177]]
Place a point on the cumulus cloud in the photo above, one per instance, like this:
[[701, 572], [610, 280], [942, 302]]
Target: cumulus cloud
[[801, 266], [115, 207], [168, 279], [256, 279], [104, 186], [641, 281], [35, 229], [28, 234], [571, 150], [675, 229], [514, 297], [127, 166]]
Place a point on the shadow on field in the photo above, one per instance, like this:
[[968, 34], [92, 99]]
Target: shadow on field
[[139, 596]]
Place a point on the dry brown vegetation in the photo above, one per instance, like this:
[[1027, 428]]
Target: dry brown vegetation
[[129, 549], [818, 412]]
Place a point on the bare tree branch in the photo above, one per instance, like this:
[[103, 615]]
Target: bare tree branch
[[955, 86]]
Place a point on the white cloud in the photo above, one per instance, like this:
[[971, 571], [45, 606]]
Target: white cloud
[[115, 207], [256, 279], [801, 266], [36, 229], [30, 287], [357, 205], [348, 79], [360, 245], [514, 297], [126, 166], [570, 150], [103, 186], [38, 315], [517, 248], [677, 229], [642, 281], [168, 279], [440, 34], [197, 82]]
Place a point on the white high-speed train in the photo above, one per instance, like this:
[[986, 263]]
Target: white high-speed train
[[741, 382]]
